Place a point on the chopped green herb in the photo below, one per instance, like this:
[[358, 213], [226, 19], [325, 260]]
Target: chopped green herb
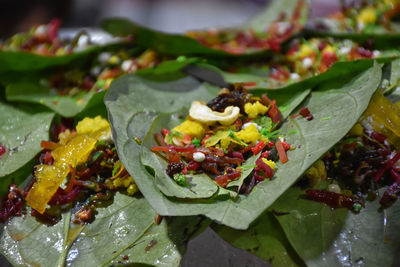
[[248, 166], [97, 155], [196, 142], [264, 122], [292, 132], [356, 207], [268, 134], [180, 179], [350, 140], [325, 118], [116, 168], [233, 136]]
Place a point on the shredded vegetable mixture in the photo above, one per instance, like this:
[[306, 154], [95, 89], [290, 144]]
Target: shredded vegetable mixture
[[82, 166], [218, 137]]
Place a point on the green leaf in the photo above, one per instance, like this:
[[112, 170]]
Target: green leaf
[[268, 85], [383, 38], [21, 131], [312, 139], [11, 61], [122, 232], [309, 221], [167, 70], [368, 238], [292, 222], [264, 239], [177, 44], [66, 106]]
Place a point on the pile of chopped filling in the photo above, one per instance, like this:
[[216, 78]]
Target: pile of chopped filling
[[218, 137], [80, 169]]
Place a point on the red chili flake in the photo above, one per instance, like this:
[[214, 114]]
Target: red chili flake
[[52, 28], [250, 84], [265, 154], [265, 100], [390, 195], [193, 165], [204, 139], [321, 46], [185, 169], [11, 204], [223, 180], [310, 117], [364, 52], [165, 131], [49, 145], [266, 171], [2, 149], [304, 111], [270, 144], [125, 257], [378, 137], [328, 58], [238, 123], [48, 159], [286, 146], [294, 116], [55, 103], [388, 165], [274, 112], [334, 200], [258, 147]]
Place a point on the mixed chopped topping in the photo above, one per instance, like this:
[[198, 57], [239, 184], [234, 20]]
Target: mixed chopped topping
[[218, 137], [82, 166]]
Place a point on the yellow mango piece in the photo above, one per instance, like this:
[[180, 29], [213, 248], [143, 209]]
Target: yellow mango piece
[[97, 127], [305, 51], [367, 15], [75, 152], [384, 117], [48, 179]]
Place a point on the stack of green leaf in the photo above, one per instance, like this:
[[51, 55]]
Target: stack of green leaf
[[272, 222]]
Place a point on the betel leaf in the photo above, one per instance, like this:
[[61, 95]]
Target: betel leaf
[[294, 229], [338, 70], [123, 232], [312, 139], [327, 27], [264, 239], [66, 106], [178, 44], [369, 238], [21, 131], [308, 222], [21, 61]]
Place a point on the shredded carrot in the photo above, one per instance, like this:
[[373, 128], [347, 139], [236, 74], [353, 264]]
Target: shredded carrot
[[281, 152]]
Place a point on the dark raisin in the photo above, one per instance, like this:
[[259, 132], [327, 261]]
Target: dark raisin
[[235, 98]]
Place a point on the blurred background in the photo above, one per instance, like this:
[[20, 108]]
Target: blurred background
[[164, 15]]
